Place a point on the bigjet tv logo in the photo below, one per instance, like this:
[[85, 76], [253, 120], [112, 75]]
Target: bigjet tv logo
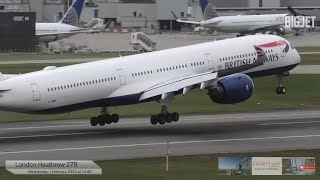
[[300, 21]]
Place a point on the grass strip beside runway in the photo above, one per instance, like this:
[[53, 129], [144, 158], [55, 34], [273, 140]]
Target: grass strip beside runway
[[310, 59], [203, 167], [303, 94], [308, 49]]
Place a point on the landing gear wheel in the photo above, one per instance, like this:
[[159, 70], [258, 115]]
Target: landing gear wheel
[[175, 116], [101, 120], [93, 121], [115, 118], [168, 118], [108, 119], [161, 119], [154, 120], [281, 90]]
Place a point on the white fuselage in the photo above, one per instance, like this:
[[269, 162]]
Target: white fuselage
[[54, 28], [244, 23], [120, 81]]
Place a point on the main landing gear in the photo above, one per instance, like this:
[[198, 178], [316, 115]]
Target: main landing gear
[[164, 117], [281, 89], [104, 118]]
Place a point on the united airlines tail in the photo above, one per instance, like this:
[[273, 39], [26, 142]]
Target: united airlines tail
[[208, 10], [73, 14]]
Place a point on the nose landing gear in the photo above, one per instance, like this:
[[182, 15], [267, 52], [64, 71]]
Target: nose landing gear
[[281, 89]]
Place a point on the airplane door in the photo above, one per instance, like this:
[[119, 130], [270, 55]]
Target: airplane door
[[122, 77], [210, 60], [35, 91]]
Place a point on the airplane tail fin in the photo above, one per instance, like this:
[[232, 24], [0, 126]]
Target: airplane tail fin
[[294, 12], [208, 9], [73, 14]]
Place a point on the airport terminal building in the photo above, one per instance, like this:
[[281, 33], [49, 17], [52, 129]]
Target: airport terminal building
[[153, 12]]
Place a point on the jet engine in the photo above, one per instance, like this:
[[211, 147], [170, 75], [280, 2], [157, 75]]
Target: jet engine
[[284, 30], [232, 89]]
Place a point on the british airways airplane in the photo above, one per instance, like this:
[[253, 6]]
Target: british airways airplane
[[224, 69]]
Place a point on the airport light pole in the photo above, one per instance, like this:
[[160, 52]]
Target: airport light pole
[[167, 156]]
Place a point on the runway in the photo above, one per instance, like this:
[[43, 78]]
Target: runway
[[137, 138]]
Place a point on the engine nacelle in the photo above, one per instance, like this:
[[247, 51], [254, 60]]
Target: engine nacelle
[[284, 30], [232, 89]]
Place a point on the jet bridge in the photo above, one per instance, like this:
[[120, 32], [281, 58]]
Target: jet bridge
[[141, 42]]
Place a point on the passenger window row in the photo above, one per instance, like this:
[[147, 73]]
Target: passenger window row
[[86, 83], [172, 68], [238, 57], [197, 63], [183, 66], [269, 51], [141, 73]]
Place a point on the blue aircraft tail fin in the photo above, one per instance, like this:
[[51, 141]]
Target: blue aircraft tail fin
[[208, 9], [73, 14]]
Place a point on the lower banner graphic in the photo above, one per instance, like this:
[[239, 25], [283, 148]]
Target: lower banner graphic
[[244, 166], [48, 167]]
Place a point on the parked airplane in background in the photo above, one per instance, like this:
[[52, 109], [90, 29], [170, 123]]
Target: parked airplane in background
[[68, 26], [242, 24], [223, 68]]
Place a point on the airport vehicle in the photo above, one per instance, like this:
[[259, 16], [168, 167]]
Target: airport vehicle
[[142, 42], [68, 26], [242, 24], [222, 68]]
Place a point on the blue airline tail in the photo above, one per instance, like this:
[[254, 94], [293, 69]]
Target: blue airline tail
[[208, 10], [73, 14]]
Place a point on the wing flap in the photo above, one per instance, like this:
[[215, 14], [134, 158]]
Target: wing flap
[[184, 83]]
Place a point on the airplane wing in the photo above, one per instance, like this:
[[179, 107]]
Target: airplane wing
[[184, 21], [185, 84], [67, 33]]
